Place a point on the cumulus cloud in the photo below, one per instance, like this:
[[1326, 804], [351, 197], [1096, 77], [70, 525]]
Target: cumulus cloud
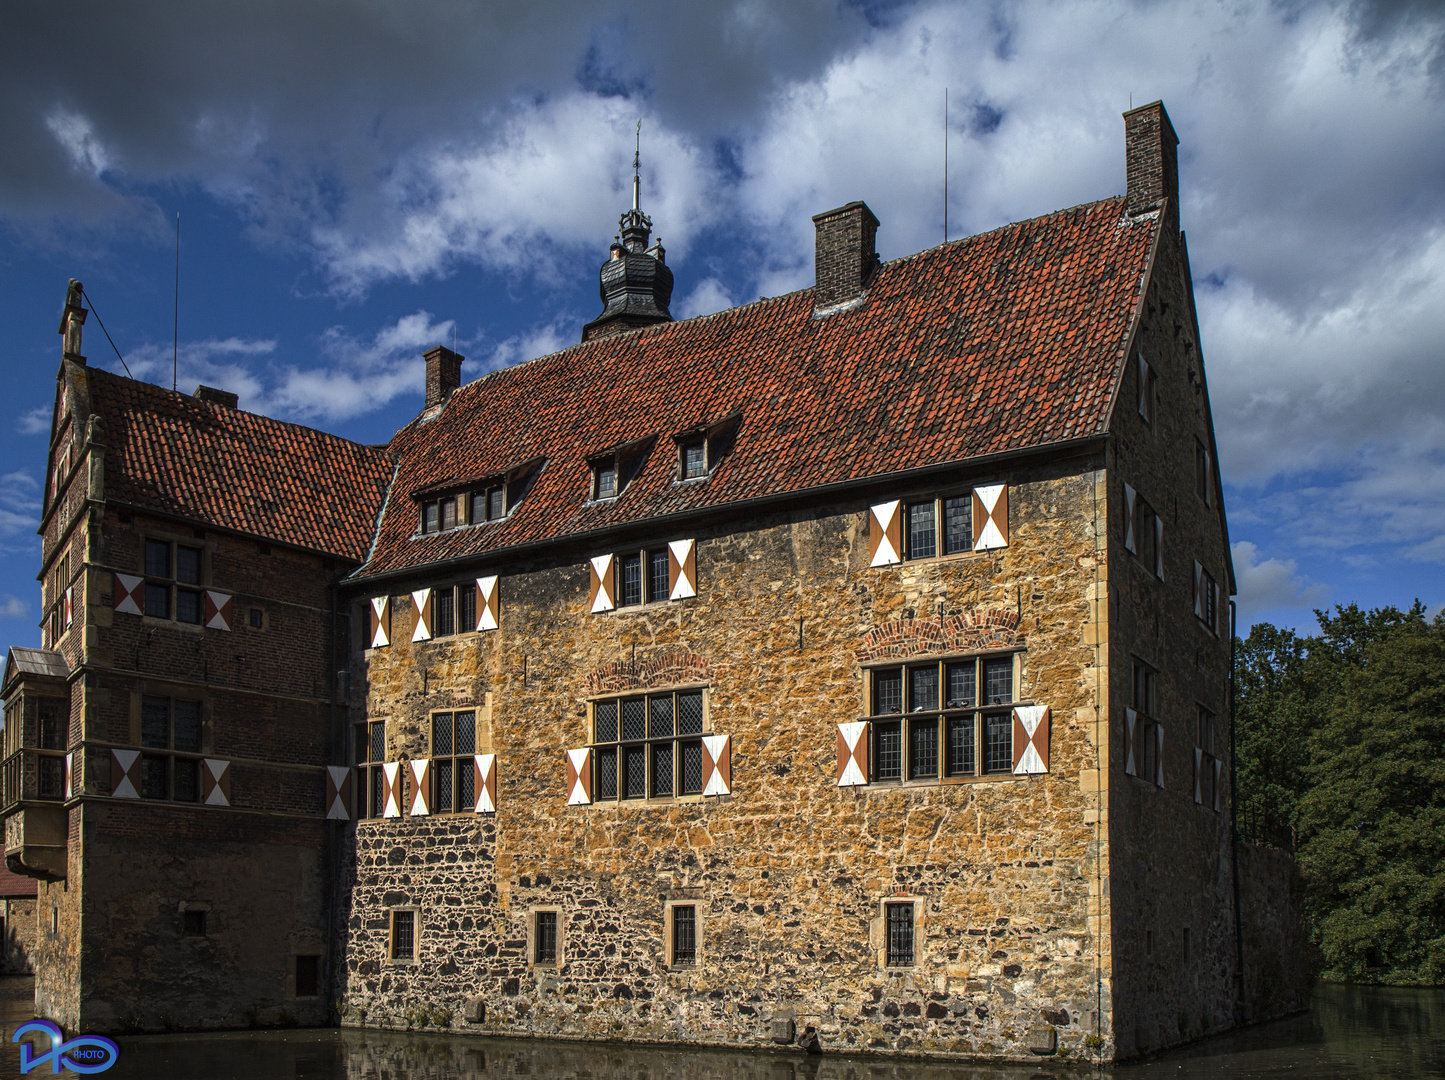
[[13, 607], [227, 363], [708, 296], [34, 421], [1270, 584], [19, 504]]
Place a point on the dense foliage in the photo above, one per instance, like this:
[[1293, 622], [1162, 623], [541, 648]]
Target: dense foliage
[[1341, 748]]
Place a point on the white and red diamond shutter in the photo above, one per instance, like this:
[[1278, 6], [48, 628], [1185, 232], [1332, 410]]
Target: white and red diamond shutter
[[485, 783], [1159, 754], [599, 596], [1131, 721], [1218, 768], [681, 569], [1199, 775], [338, 792], [68, 611], [129, 593], [1198, 591], [853, 754], [218, 610], [215, 782], [487, 604], [579, 776], [885, 534], [990, 517], [1158, 547], [717, 766], [125, 774], [420, 769], [391, 781], [1031, 739], [380, 621], [1131, 511], [421, 600], [69, 777]]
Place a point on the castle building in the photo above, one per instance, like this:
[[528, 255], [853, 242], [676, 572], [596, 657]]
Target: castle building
[[846, 670]]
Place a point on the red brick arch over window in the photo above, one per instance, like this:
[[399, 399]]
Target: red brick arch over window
[[969, 631], [645, 673]]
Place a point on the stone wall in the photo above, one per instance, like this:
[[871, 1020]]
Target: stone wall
[[20, 934], [1281, 964], [789, 872]]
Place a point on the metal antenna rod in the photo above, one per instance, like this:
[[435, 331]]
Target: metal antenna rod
[[176, 325], [636, 161], [945, 164]]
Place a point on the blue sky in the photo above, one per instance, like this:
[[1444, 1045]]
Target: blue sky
[[357, 182]]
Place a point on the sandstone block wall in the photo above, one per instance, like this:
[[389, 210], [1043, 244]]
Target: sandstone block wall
[[789, 872]]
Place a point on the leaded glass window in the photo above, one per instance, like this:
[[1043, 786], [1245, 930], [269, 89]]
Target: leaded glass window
[[648, 745], [928, 722]]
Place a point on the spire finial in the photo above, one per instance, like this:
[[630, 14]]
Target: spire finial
[[636, 176]]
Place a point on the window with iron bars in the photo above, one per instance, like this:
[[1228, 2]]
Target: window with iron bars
[[942, 720], [898, 920], [403, 935], [544, 937], [684, 935], [648, 745], [453, 775]]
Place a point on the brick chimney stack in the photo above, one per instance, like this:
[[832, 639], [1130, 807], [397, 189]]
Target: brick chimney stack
[[443, 374], [845, 256], [71, 320], [1152, 163]]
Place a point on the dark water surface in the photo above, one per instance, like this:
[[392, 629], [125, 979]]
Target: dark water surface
[[1350, 1031]]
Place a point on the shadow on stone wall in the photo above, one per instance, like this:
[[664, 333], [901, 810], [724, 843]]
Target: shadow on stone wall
[[1281, 965]]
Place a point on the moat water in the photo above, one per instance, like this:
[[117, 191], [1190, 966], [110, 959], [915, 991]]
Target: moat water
[[1350, 1032]]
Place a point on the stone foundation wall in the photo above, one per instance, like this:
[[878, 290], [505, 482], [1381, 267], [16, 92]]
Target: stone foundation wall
[[1281, 964], [20, 936]]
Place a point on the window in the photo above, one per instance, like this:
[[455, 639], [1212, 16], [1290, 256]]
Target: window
[[370, 746], [59, 582], [431, 516], [1146, 390], [1143, 532], [170, 724], [454, 610], [684, 934], [699, 449], [1202, 473], [403, 936], [453, 772], [308, 976], [939, 526], [1186, 945], [1206, 599], [169, 569], [898, 926], [642, 577], [53, 723], [929, 720], [256, 618], [694, 459], [1144, 752], [544, 937], [613, 470], [648, 746], [606, 481], [193, 923], [1206, 762], [489, 503]]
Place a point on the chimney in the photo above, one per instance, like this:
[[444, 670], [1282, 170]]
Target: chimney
[[443, 374], [71, 320], [845, 256], [1152, 162], [216, 397]]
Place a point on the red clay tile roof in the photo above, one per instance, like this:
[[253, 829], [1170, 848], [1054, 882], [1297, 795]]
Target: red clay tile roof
[[175, 454], [13, 886], [1004, 341]]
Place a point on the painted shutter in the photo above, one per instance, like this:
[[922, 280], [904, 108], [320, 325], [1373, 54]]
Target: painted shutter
[[1214, 604], [128, 593], [488, 606], [1131, 528], [1159, 754], [69, 590], [338, 792], [1143, 387], [218, 610], [717, 765], [990, 517], [1031, 739], [600, 595], [681, 569], [1131, 721], [1198, 591], [125, 774], [420, 769], [1218, 768], [486, 783], [391, 782], [1198, 776], [885, 534], [215, 782], [579, 776], [421, 600], [853, 754], [380, 621], [68, 776], [1158, 547]]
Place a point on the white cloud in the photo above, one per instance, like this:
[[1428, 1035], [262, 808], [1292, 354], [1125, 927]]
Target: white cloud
[[1271, 584], [19, 504], [225, 363], [12, 607], [709, 296], [35, 421], [77, 137]]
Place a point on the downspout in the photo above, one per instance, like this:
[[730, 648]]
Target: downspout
[[329, 843], [1241, 1009]]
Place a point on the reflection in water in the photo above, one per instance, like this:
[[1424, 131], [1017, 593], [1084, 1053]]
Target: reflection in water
[[1350, 1032]]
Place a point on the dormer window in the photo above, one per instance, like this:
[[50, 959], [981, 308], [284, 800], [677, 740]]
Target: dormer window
[[614, 468], [606, 487], [487, 500], [700, 448], [694, 459], [429, 517]]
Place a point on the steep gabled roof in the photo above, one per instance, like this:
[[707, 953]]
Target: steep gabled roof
[[179, 455], [1004, 341]]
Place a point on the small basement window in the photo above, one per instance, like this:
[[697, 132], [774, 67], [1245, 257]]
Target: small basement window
[[403, 935], [194, 923], [899, 928], [544, 945], [308, 976], [684, 935]]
